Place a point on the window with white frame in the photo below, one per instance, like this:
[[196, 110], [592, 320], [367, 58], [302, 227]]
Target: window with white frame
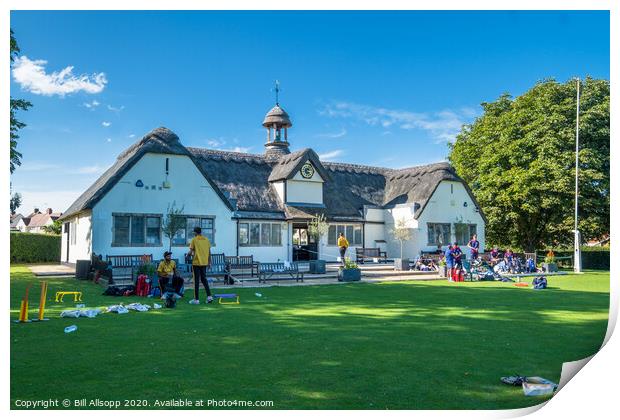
[[73, 232], [463, 232], [353, 233], [185, 235], [136, 230], [260, 234], [439, 234]]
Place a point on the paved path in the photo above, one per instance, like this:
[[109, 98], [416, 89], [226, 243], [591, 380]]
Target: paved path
[[52, 270]]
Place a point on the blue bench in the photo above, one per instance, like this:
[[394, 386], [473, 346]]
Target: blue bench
[[266, 271]]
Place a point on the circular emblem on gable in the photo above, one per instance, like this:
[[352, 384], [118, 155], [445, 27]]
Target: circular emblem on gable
[[307, 170]]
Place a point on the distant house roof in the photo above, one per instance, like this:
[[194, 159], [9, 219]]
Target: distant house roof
[[15, 218], [244, 181]]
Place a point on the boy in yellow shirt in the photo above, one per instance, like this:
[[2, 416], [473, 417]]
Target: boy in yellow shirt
[[343, 244], [200, 248]]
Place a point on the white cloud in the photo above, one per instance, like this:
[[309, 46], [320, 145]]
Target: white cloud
[[109, 140], [113, 109], [337, 134], [443, 125], [131, 136], [38, 167], [32, 77], [106, 123], [331, 155], [57, 200], [239, 149], [91, 105], [216, 142], [86, 170]]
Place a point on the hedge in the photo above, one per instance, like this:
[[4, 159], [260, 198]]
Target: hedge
[[592, 258], [34, 248]]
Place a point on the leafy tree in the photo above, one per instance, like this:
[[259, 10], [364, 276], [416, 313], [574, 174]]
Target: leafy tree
[[519, 160], [16, 104], [55, 228], [401, 233], [318, 227], [16, 201], [173, 222]]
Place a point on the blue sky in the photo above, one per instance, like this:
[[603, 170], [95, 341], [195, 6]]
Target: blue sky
[[378, 88]]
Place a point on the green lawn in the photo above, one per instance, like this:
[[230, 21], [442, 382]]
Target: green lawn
[[402, 345]]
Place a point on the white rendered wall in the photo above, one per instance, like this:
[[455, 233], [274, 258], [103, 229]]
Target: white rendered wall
[[302, 190], [444, 206], [81, 250], [188, 188], [279, 187]]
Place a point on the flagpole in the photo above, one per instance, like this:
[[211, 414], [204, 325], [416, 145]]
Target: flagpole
[[577, 255]]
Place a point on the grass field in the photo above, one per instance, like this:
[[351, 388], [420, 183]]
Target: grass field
[[401, 345]]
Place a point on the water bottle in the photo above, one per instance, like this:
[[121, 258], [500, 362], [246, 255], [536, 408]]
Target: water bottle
[[80, 305], [70, 329], [258, 294]]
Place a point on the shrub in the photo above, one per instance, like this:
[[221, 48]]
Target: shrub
[[595, 259], [34, 248]]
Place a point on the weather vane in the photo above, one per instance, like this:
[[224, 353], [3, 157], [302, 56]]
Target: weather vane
[[277, 90]]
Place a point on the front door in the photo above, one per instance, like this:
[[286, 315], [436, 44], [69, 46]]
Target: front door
[[304, 246]]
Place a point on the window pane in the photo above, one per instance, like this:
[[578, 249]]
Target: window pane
[[244, 236], [331, 235], [121, 230], [276, 234], [461, 232], [349, 234], [192, 222], [447, 233], [137, 229], [265, 234], [254, 233], [152, 230], [340, 229], [179, 237], [303, 237], [432, 239], [358, 235], [207, 229], [472, 230]]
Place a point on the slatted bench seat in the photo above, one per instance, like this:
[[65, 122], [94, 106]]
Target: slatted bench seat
[[121, 267], [243, 262], [266, 271], [362, 254], [218, 267]]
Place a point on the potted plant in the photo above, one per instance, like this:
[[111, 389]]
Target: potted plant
[[443, 272], [349, 272], [401, 233], [317, 228], [550, 265]]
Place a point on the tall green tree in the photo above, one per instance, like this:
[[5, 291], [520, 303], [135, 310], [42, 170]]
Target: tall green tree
[[519, 160], [16, 105], [16, 201]]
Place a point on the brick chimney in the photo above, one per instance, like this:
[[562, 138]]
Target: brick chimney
[[49, 211], [36, 211]]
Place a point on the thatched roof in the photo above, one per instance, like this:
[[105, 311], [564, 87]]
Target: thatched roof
[[244, 181], [160, 140], [288, 165]]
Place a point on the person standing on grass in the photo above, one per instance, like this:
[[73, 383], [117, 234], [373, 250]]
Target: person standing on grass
[[343, 244], [457, 253], [474, 247], [199, 249], [449, 262]]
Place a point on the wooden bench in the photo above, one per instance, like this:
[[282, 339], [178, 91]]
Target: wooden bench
[[218, 267], [266, 271], [242, 263], [121, 267], [362, 254]]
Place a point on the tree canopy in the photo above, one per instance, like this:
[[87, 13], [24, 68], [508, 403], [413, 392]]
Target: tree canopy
[[519, 160], [16, 104]]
